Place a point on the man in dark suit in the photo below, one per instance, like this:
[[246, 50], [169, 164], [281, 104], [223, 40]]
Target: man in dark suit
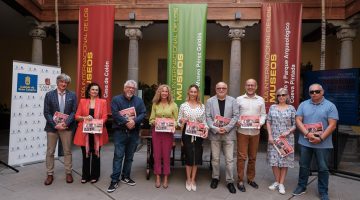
[[222, 137], [63, 101]]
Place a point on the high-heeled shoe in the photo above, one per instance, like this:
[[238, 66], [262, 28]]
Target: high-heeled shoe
[[94, 180], [83, 181], [188, 186], [193, 186], [165, 184], [157, 182]]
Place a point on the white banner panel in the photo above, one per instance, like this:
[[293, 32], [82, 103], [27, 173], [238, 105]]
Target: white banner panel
[[27, 136]]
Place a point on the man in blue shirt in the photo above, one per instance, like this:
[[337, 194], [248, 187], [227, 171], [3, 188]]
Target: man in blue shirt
[[126, 132], [315, 112]]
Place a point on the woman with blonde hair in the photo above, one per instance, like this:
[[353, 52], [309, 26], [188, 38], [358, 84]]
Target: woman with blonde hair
[[280, 123], [163, 107], [192, 110]]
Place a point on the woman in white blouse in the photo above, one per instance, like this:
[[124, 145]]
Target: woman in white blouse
[[192, 110]]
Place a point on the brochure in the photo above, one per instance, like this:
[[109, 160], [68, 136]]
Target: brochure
[[250, 122], [93, 126], [221, 121], [316, 128], [283, 147], [195, 128], [60, 117], [164, 125], [128, 113]]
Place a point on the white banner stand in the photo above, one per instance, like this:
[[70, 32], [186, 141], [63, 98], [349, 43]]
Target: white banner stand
[[30, 83]]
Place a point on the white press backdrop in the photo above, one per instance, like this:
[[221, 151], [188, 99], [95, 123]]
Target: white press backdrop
[[27, 136]]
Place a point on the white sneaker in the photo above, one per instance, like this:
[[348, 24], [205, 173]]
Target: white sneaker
[[281, 189], [274, 186], [188, 186]]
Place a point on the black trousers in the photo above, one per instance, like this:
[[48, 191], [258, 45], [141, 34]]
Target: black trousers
[[91, 164]]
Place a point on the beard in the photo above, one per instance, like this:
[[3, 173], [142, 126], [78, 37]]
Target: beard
[[129, 95]]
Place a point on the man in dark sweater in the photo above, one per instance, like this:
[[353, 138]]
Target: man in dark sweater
[[128, 111]]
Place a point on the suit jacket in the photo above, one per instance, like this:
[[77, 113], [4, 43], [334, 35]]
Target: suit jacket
[[51, 105], [100, 112], [231, 111]]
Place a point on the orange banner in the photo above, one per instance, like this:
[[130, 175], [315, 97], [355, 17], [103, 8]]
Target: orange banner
[[95, 49]]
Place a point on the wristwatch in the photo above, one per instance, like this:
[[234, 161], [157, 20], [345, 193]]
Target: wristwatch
[[307, 133]]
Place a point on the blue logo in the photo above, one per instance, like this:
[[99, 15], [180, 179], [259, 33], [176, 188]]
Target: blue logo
[[27, 83]]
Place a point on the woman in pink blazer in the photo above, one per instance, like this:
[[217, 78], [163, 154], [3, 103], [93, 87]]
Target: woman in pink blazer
[[92, 107]]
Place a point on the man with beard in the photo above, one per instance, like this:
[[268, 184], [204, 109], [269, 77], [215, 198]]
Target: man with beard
[[126, 133]]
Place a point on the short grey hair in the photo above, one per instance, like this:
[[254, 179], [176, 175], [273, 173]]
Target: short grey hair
[[316, 84], [130, 82], [63, 77], [282, 91]]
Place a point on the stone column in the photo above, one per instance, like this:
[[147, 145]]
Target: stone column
[[134, 34], [236, 33], [235, 60], [38, 33], [346, 35]]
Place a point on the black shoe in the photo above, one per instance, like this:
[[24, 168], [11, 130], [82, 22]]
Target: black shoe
[[241, 187], [253, 184], [112, 187], [214, 183], [231, 188], [128, 181]]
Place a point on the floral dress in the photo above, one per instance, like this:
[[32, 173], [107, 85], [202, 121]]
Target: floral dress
[[281, 121]]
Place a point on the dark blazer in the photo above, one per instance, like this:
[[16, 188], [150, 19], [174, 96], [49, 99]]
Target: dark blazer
[[51, 105]]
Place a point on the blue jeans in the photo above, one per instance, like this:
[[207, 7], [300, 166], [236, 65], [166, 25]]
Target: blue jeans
[[125, 147], [322, 158]]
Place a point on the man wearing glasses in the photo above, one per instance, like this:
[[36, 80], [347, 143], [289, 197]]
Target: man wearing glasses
[[316, 111], [222, 114], [251, 106], [126, 132]]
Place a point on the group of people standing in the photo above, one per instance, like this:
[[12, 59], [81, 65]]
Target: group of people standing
[[281, 121]]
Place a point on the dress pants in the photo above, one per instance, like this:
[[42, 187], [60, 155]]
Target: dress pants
[[66, 140], [227, 146], [162, 145], [91, 162], [247, 147]]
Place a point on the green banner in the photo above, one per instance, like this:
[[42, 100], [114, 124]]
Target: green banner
[[186, 48]]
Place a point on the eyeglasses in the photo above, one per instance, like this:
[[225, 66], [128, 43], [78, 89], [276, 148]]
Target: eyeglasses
[[221, 88], [281, 95], [129, 87], [314, 91]]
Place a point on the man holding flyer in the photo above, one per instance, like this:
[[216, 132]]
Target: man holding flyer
[[321, 114], [222, 113], [252, 117], [59, 112], [128, 112]]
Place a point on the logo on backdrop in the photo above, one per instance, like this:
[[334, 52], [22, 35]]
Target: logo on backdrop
[[46, 85], [27, 83]]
